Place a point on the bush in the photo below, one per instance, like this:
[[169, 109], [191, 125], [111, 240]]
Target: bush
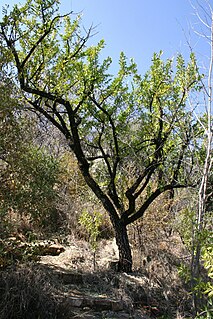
[[26, 292]]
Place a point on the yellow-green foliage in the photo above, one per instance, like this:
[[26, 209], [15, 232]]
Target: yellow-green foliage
[[92, 223], [208, 264], [184, 225]]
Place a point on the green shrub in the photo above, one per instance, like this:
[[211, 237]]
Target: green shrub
[[92, 223]]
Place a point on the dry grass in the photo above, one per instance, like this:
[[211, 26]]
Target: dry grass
[[155, 284], [157, 253], [26, 292]]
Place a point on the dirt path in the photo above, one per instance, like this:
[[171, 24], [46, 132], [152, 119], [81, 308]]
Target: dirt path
[[97, 293]]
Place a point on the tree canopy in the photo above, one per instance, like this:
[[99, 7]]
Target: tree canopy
[[132, 135]]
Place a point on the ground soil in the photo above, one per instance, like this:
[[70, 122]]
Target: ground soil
[[93, 289]]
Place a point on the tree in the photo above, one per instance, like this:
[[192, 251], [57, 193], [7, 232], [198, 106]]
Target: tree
[[204, 14], [110, 123]]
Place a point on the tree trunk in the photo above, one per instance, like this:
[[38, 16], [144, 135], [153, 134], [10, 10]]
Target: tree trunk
[[122, 241]]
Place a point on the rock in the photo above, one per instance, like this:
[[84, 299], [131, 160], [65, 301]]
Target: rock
[[12, 239], [54, 249], [134, 289], [73, 302], [102, 304]]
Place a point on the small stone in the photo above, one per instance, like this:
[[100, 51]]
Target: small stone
[[12, 239], [102, 304], [74, 302], [86, 308], [55, 249]]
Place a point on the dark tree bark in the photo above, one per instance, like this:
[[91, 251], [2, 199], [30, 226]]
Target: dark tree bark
[[122, 241]]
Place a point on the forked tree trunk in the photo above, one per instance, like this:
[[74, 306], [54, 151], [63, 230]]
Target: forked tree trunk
[[122, 241]]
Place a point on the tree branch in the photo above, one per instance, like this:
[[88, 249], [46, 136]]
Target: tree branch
[[150, 200]]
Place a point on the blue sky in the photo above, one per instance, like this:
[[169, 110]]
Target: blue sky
[[137, 27]]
